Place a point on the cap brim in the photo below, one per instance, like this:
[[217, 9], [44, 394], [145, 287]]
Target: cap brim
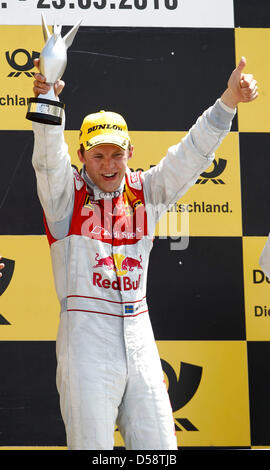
[[107, 139]]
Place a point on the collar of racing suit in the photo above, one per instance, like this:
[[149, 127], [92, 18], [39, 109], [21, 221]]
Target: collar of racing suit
[[96, 191]]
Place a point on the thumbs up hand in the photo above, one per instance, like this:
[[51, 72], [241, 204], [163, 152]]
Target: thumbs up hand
[[242, 87]]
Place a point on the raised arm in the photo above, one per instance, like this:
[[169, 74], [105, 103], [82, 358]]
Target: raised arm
[[53, 169], [184, 162]]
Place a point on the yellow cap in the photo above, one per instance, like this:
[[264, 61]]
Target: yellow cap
[[104, 127]]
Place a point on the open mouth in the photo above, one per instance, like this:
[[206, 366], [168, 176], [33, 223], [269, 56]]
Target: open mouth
[[109, 176]]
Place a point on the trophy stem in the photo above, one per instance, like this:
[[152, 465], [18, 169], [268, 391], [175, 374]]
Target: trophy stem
[[45, 111]]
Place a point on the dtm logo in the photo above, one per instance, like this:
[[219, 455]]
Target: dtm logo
[[21, 61], [219, 167], [5, 281], [181, 391], [122, 265]]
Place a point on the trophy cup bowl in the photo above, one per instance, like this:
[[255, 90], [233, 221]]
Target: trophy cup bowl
[[46, 108]]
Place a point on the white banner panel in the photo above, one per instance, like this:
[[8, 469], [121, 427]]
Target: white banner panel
[[164, 13]]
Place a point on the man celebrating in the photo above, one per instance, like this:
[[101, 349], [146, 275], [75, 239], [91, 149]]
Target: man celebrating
[[100, 227]]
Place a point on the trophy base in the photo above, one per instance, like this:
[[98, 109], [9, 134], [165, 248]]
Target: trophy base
[[45, 111]]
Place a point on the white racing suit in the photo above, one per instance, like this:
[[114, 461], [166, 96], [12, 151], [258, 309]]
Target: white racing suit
[[108, 367]]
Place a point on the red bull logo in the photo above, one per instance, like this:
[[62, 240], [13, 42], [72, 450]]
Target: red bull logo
[[121, 265], [107, 262], [129, 264]]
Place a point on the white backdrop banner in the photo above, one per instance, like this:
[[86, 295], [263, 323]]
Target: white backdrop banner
[[144, 13]]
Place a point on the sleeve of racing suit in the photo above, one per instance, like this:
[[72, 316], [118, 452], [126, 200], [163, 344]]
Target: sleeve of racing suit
[[265, 258], [165, 183], [54, 174]]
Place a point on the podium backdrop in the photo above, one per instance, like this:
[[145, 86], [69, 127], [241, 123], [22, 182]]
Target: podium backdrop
[[208, 298]]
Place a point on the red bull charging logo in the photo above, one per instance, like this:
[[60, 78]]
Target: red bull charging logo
[[121, 265]]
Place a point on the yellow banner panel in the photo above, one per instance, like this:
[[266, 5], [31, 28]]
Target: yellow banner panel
[[19, 45], [214, 202], [253, 44], [208, 388], [256, 288], [29, 307]]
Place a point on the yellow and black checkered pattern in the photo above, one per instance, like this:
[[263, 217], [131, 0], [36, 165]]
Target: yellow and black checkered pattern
[[209, 301]]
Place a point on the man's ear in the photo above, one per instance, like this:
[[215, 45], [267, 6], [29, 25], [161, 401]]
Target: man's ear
[[131, 149], [80, 156]]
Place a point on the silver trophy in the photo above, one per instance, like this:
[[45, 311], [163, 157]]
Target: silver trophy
[[46, 108]]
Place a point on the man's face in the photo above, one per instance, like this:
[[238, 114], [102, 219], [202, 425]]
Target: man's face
[[106, 165]]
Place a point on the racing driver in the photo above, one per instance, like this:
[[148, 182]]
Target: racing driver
[[100, 226]]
